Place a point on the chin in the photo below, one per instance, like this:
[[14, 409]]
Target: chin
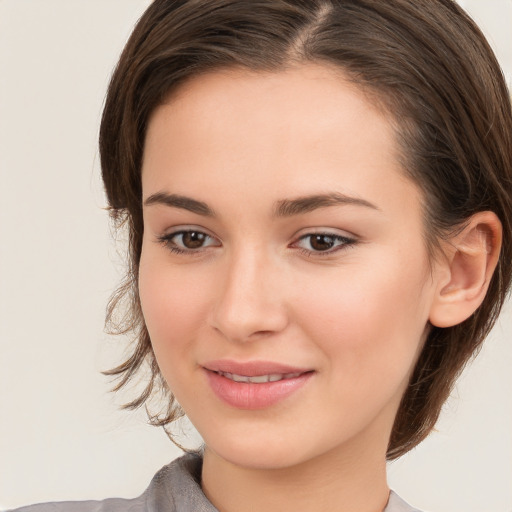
[[257, 457], [267, 452]]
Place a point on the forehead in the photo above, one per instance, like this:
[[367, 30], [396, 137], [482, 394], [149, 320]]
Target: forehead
[[298, 129], [303, 94]]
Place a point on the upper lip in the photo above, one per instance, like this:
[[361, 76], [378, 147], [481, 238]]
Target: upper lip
[[252, 368]]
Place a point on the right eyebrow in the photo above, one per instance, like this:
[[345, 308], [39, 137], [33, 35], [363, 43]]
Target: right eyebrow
[[182, 202]]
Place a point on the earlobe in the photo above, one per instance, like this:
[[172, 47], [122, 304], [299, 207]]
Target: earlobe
[[470, 260]]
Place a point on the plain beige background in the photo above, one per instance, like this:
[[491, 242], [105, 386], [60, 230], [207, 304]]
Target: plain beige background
[[61, 435]]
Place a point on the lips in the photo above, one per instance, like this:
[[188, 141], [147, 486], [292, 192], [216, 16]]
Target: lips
[[252, 368], [259, 379], [256, 384]]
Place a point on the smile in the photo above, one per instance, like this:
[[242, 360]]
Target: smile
[[259, 379], [255, 385]]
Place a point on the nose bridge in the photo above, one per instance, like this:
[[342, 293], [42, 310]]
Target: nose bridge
[[248, 303]]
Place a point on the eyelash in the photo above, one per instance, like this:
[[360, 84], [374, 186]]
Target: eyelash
[[346, 242], [168, 241]]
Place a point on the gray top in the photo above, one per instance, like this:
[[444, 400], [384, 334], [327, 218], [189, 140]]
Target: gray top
[[175, 488]]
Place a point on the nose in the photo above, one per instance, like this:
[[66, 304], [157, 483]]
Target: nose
[[249, 305]]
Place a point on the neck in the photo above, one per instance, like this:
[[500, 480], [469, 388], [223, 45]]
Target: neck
[[340, 482]]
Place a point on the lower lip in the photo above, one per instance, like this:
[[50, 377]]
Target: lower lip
[[250, 395]]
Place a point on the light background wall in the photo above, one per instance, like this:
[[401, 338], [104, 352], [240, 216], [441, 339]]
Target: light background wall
[[61, 435]]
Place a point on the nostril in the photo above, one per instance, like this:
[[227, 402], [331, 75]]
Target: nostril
[[244, 324]]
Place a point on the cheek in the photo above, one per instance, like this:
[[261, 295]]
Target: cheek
[[368, 321], [173, 304]]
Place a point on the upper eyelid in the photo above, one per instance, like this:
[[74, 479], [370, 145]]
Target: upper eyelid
[[181, 231], [334, 232], [331, 235], [323, 230], [186, 229], [326, 232]]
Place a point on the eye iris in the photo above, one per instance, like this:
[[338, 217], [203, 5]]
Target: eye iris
[[321, 242], [193, 239]]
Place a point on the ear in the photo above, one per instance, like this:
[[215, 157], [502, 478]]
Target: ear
[[470, 258]]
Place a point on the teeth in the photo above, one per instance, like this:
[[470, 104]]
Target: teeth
[[239, 378], [259, 379]]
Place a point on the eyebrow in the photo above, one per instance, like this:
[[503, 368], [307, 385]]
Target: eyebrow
[[290, 207], [178, 201], [282, 208]]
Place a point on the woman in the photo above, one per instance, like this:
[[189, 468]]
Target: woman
[[318, 199]]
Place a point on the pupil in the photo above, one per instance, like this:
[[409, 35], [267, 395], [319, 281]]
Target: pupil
[[193, 240], [321, 242]]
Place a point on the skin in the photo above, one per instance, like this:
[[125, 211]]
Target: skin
[[356, 315]]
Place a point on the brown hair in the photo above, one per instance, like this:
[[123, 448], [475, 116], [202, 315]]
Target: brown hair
[[425, 61]]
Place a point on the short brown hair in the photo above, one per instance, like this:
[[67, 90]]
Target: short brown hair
[[424, 61]]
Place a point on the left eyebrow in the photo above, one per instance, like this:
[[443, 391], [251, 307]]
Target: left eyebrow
[[290, 207]]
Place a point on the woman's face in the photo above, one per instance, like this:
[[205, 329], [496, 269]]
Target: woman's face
[[284, 278]]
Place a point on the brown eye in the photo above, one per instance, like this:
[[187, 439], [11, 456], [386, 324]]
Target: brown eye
[[321, 242], [193, 239], [189, 241], [326, 243]]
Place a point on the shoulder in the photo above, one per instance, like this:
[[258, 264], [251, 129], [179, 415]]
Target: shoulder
[[175, 488], [108, 505]]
